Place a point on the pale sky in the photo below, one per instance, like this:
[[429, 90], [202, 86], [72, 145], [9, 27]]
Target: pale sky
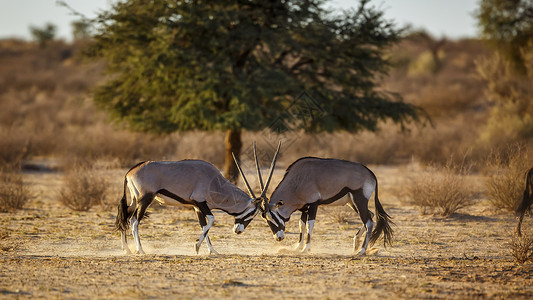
[[451, 18]]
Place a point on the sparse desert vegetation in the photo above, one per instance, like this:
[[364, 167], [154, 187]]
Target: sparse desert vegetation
[[506, 177], [13, 193], [442, 191], [84, 188], [522, 247], [462, 248]]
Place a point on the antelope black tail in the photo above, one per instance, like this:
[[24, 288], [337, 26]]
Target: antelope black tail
[[123, 214], [384, 222]]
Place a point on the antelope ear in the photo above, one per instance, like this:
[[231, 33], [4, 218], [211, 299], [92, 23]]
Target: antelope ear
[[279, 204]]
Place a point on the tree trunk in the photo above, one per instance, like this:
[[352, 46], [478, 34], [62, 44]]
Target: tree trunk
[[233, 145]]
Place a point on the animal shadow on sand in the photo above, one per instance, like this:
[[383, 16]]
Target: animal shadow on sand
[[465, 218]]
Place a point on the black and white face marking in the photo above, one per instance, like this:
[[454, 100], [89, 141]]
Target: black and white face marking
[[276, 224], [243, 219]]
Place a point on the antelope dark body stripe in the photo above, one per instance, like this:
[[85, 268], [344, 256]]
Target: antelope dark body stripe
[[336, 197], [169, 194]]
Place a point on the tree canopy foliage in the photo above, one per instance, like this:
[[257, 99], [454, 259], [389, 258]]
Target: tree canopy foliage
[[509, 25], [43, 34], [232, 65]]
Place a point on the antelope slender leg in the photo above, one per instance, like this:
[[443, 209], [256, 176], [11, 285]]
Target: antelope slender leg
[[302, 225], [357, 236], [203, 224], [361, 202], [143, 204], [135, 232], [124, 239], [202, 206], [310, 224]]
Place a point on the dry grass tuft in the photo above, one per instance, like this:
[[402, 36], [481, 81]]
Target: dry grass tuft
[[341, 215], [13, 194], [83, 188], [521, 247], [505, 181], [441, 191]]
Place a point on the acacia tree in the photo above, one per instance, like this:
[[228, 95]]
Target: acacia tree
[[43, 35], [235, 65]]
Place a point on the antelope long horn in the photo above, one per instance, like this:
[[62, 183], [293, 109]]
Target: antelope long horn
[[243, 177], [258, 170], [272, 166]]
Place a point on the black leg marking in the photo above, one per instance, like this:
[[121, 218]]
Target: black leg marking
[[146, 200], [201, 218], [206, 212], [311, 217], [312, 211], [202, 206], [362, 205]]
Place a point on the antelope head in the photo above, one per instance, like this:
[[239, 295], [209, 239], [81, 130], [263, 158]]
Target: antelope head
[[261, 202]]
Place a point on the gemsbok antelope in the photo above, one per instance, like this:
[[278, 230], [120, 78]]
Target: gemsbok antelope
[[527, 201], [310, 182], [188, 182]]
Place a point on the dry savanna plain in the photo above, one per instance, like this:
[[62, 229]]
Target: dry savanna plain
[[50, 251]]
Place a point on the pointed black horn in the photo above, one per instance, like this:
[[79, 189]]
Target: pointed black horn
[[272, 166], [243, 177], [258, 170]]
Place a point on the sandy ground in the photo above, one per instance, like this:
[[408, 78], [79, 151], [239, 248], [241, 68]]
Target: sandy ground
[[48, 251]]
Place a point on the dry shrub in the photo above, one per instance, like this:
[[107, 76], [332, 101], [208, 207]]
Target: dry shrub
[[83, 188], [521, 247], [341, 215], [505, 181], [13, 148], [441, 191], [13, 194]]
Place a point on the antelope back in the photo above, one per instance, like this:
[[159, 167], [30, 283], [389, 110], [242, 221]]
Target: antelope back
[[311, 179], [190, 180]]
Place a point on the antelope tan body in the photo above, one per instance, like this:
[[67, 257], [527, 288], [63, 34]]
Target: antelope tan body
[[310, 182], [325, 181], [188, 182]]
